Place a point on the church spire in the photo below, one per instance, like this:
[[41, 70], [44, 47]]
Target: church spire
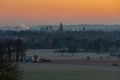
[[61, 26]]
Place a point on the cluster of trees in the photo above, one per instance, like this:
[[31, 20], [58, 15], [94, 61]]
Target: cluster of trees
[[73, 45], [99, 45], [82, 40], [93, 41], [11, 52]]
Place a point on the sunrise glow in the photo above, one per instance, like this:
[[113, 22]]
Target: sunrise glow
[[53, 11]]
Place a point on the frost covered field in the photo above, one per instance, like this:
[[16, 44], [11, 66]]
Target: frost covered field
[[49, 53], [51, 71]]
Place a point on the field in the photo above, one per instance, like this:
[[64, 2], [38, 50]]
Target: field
[[69, 72], [49, 53], [69, 67]]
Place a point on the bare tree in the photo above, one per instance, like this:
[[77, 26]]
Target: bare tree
[[9, 69]]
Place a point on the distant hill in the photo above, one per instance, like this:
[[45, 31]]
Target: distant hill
[[66, 27], [80, 27]]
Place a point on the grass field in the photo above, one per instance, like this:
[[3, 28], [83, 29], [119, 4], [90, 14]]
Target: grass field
[[69, 72]]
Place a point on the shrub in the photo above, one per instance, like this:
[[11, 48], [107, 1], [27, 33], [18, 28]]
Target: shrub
[[9, 70], [87, 57], [114, 64]]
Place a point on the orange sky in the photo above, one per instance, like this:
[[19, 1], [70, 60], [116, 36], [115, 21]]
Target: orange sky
[[33, 12]]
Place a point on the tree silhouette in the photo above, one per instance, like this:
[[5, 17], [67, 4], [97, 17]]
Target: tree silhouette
[[19, 49], [9, 68], [71, 45]]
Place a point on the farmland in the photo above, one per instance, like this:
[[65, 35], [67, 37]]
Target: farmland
[[69, 67], [49, 53], [69, 72]]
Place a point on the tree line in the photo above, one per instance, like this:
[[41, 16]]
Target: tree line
[[93, 41], [11, 52]]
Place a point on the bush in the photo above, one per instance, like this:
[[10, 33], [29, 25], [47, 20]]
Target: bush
[[87, 57], [9, 70], [114, 64], [42, 60]]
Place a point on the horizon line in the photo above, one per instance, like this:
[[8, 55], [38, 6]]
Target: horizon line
[[58, 24]]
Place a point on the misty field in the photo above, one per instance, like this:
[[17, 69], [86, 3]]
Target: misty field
[[69, 72], [49, 53]]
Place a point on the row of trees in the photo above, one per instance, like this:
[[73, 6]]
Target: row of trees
[[90, 45], [87, 40], [11, 52]]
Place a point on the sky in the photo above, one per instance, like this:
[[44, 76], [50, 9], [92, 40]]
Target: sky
[[35, 12]]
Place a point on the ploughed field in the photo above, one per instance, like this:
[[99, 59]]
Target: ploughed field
[[48, 71]]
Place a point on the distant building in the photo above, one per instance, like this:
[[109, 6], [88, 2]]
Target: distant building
[[84, 29], [49, 29], [61, 28]]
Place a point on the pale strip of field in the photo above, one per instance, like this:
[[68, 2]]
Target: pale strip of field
[[49, 53]]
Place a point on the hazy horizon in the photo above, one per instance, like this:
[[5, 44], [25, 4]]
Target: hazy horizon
[[15, 25]]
